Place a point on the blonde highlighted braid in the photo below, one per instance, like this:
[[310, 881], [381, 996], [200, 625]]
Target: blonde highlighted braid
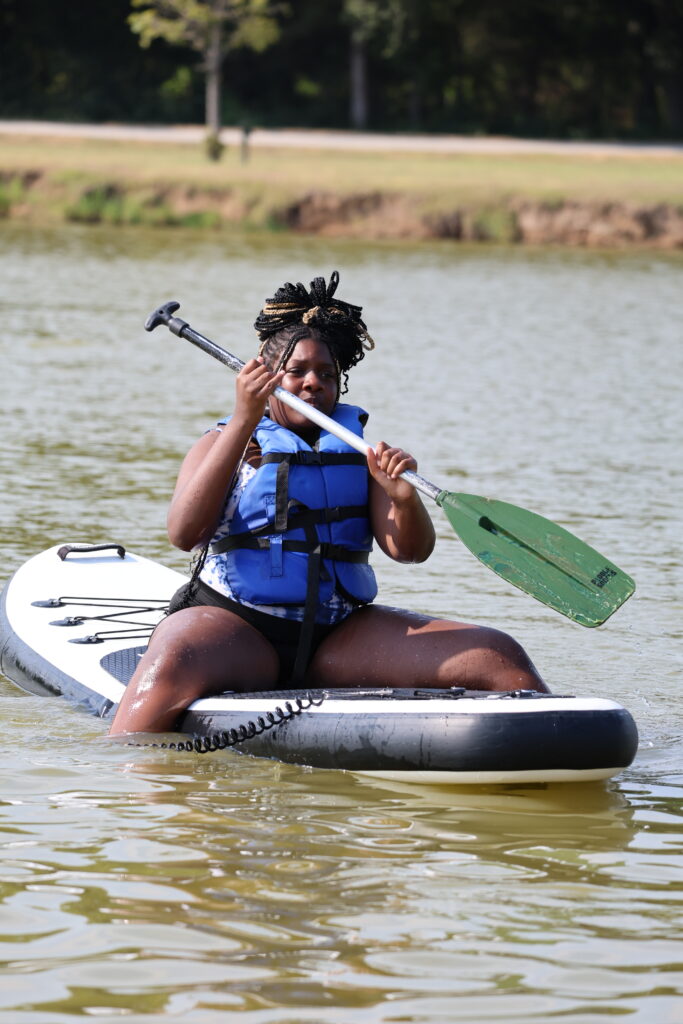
[[295, 313]]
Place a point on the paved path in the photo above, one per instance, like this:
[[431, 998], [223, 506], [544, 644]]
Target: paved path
[[346, 140]]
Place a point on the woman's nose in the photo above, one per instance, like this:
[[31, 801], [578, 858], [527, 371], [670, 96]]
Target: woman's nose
[[312, 380]]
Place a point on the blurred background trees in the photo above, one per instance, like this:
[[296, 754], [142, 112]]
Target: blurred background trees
[[211, 28], [536, 68]]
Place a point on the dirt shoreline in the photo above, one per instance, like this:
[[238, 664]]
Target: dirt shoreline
[[522, 221], [37, 196]]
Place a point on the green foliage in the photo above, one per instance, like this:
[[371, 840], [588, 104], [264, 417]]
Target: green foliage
[[372, 19], [214, 146], [247, 23], [211, 27], [495, 224], [109, 204], [176, 21], [101, 204], [203, 219], [177, 95], [257, 30], [305, 86], [12, 191], [178, 86]]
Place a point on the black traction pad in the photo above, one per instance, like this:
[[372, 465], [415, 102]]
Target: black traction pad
[[122, 664]]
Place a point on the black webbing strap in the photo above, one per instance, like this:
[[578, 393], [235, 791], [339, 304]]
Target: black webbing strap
[[248, 540], [315, 458], [303, 650], [281, 496], [304, 516], [284, 460], [300, 519]]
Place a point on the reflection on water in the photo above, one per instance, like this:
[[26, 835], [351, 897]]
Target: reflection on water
[[145, 886], [167, 884]]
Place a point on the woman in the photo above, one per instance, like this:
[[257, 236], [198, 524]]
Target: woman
[[285, 515]]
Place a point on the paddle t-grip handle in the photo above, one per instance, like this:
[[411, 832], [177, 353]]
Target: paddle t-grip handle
[[164, 315]]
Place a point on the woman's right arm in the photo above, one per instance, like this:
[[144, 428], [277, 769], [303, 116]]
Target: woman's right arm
[[208, 468]]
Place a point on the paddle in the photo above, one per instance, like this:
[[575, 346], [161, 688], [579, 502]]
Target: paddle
[[527, 550]]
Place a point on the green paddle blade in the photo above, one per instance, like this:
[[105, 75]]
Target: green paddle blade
[[539, 557]]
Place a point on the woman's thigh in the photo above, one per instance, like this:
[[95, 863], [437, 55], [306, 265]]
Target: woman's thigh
[[215, 646], [194, 653], [380, 646]]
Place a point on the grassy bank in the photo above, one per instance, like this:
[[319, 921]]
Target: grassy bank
[[369, 194]]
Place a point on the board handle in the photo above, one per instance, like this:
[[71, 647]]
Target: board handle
[[68, 549]]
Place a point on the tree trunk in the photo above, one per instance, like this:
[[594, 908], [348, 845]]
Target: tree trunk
[[213, 62], [358, 83]]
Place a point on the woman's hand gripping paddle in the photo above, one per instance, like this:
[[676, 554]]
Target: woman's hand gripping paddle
[[527, 550]]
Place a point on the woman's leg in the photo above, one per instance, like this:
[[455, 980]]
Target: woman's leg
[[193, 653], [379, 646]]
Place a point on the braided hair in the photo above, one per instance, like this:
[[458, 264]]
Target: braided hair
[[294, 313]]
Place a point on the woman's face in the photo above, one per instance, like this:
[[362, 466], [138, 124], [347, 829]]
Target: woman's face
[[311, 375]]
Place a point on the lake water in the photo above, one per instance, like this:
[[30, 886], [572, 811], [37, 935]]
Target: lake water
[[146, 886]]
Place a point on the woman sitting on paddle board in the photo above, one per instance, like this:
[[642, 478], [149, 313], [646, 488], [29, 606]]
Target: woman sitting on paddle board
[[285, 515]]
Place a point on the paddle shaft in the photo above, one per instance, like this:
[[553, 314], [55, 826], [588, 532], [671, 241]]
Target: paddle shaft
[[164, 314]]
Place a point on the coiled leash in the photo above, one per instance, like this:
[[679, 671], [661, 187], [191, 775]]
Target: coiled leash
[[243, 733]]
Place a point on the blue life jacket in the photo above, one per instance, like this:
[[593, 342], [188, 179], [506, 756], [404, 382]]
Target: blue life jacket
[[301, 529]]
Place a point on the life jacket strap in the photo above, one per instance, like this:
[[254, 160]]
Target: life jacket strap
[[302, 517], [284, 460], [282, 503], [305, 644], [315, 458], [335, 552]]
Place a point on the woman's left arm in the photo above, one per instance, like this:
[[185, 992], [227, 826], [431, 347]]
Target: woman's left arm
[[400, 523]]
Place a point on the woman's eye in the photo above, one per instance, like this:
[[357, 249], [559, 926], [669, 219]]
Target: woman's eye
[[297, 371]]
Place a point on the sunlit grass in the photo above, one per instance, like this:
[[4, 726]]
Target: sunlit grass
[[275, 176]]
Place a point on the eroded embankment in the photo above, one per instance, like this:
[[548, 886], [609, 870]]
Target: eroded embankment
[[36, 196], [378, 215]]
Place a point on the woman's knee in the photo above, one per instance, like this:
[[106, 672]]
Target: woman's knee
[[504, 646], [502, 663], [171, 651]]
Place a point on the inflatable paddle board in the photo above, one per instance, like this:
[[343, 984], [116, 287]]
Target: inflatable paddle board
[[75, 619]]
